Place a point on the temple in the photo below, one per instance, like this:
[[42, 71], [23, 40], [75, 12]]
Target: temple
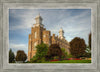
[[39, 34]]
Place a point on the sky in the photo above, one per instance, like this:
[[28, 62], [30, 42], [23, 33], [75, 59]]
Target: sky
[[74, 22]]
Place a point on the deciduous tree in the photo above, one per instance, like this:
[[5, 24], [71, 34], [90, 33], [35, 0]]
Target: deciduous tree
[[41, 50], [54, 50], [21, 56], [77, 47]]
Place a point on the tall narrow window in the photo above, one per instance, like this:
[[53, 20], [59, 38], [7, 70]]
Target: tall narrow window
[[35, 46], [35, 34]]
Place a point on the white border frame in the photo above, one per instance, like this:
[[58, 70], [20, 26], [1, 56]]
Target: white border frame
[[7, 6]]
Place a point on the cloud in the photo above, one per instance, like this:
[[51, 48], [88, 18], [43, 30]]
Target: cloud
[[74, 23], [16, 47], [25, 18], [74, 26]]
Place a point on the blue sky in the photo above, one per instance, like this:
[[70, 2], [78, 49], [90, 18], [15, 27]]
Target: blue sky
[[74, 22]]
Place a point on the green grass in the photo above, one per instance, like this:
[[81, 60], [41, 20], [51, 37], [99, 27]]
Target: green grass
[[71, 61]]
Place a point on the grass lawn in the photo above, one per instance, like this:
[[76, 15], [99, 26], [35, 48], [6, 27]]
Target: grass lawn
[[70, 61]]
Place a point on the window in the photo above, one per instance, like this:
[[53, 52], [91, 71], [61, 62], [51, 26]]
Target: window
[[44, 35], [35, 46], [35, 35]]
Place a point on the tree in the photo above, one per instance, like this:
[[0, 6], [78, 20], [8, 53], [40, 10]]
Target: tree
[[88, 49], [40, 53], [21, 56], [64, 53], [41, 50], [90, 40], [87, 52], [11, 56], [54, 50], [78, 47]]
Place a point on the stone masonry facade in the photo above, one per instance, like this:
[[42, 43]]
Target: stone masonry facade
[[39, 34]]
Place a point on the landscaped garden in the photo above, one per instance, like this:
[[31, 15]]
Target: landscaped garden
[[80, 53], [70, 61]]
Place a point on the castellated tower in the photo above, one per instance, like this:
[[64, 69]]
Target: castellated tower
[[39, 34]]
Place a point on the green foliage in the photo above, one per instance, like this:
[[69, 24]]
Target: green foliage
[[41, 60], [11, 56], [89, 40], [88, 50], [69, 56], [78, 47], [64, 53], [33, 60], [88, 55], [70, 61], [40, 54], [56, 57], [37, 60], [41, 50], [21, 56], [54, 50]]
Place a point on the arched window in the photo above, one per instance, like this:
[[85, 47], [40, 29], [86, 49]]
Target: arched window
[[35, 34], [35, 46]]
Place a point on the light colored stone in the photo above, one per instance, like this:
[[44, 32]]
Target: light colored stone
[[39, 34]]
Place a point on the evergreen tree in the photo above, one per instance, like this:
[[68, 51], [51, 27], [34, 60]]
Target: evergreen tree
[[90, 40], [11, 56]]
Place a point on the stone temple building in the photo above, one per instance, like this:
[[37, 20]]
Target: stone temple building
[[40, 34]]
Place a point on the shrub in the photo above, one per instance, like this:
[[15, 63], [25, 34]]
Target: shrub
[[69, 56]]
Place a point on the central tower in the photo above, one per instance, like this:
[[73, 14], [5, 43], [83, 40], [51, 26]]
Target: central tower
[[38, 21], [36, 36], [39, 34]]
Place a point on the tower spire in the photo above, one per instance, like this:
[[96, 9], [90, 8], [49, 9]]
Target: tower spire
[[38, 19], [61, 33]]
